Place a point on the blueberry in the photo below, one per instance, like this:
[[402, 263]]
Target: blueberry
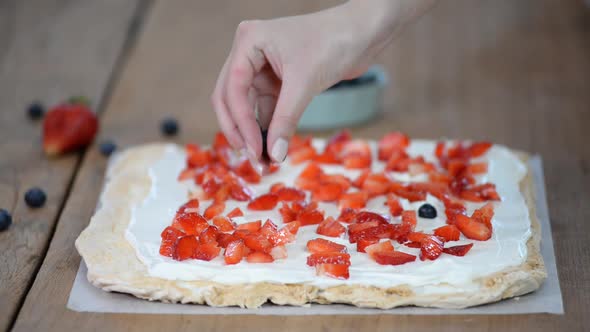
[[5, 220], [35, 197], [169, 127], [427, 211], [107, 148], [35, 110]]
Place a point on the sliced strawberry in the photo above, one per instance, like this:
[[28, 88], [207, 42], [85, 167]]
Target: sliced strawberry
[[240, 193], [270, 231], [253, 226], [275, 187], [330, 227], [381, 247], [336, 143], [198, 158], [264, 202], [273, 168], [234, 252], [209, 235], [358, 182], [439, 149], [220, 142], [328, 258], [461, 250], [310, 217], [391, 142], [235, 213], [339, 179], [190, 206], [484, 214], [169, 237], [356, 154], [480, 193], [362, 244], [367, 216], [478, 149], [215, 209], [278, 252], [303, 154], [472, 229], [259, 257], [189, 222], [247, 172], [187, 174], [223, 239], [68, 127], [258, 242], [400, 232], [431, 247], [381, 231], [241, 233], [185, 247], [409, 218], [287, 194], [321, 246], [298, 142], [376, 184], [417, 236], [477, 168], [413, 244], [393, 258], [287, 233], [327, 192], [360, 227], [311, 171], [347, 215], [398, 161], [405, 192], [287, 213], [337, 271], [207, 251], [452, 209], [353, 200], [448, 232], [224, 224]]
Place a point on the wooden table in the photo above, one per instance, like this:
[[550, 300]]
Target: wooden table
[[514, 72]]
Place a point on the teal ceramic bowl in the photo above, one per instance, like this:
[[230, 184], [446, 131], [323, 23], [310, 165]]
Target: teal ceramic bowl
[[346, 104]]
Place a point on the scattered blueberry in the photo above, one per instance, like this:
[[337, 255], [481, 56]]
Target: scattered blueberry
[[35, 197], [107, 148], [5, 220], [35, 110], [169, 127], [427, 211]]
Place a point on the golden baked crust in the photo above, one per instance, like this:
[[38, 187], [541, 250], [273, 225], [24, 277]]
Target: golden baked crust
[[113, 265]]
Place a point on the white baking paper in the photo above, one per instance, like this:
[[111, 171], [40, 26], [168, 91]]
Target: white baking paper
[[86, 298]]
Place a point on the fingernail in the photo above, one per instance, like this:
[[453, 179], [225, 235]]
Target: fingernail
[[279, 149], [253, 160]]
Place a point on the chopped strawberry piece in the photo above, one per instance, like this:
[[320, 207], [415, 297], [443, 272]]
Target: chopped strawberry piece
[[264, 202], [270, 231], [439, 150], [376, 184], [223, 239], [431, 247], [413, 244], [220, 142], [185, 247], [190, 206], [347, 215], [208, 235], [258, 242], [362, 244], [439, 177], [298, 142], [326, 158], [381, 247], [273, 168], [330, 227], [328, 258], [206, 251], [253, 226], [360, 227], [247, 172], [395, 207], [235, 213], [339, 179], [240, 193], [327, 192], [393, 258], [480, 193], [367, 216], [215, 209], [68, 127], [392, 142], [287, 194], [188, 222], [356, 154], [405, 192], [311, 171], [358, 182], [336, 143], [337, 271], [472, 229], [381, 231], [310, 217], [321, 246], [353, 200], [461, 250], [259, 257], [484, 214], [287, 213], [293, 227], [275, 187], [409, 218], [287, 233], [400, 232], [448, 233], [417, 236], [198, 158], [478, 149], [477, 168], [187, 174], [169, 237], [303, 154], [452, 209], [278, 252], [234, 252], [224, 224], [241, 233], [223, 193]]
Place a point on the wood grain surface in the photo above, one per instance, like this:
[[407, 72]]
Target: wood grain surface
[[49, 50], [514, 72]]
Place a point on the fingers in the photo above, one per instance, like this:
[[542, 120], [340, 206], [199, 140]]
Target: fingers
[[246, 60], [228, 127], [295, 95]]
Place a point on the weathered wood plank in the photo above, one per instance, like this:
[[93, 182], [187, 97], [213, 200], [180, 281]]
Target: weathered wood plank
[[49, 50], [512, 72]]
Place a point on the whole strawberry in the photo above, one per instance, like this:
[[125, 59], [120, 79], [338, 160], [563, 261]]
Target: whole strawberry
[[68, 127]]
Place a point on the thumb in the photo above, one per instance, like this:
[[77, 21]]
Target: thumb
[[295, 95]]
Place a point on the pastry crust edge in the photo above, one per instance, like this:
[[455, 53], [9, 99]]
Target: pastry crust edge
[[114, 267]]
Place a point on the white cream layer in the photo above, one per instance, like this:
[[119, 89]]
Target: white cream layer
[[448, 273]]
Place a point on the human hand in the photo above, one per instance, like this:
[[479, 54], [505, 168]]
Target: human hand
[[277, 66]]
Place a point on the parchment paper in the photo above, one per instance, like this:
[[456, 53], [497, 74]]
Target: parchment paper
[[86, 298]]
